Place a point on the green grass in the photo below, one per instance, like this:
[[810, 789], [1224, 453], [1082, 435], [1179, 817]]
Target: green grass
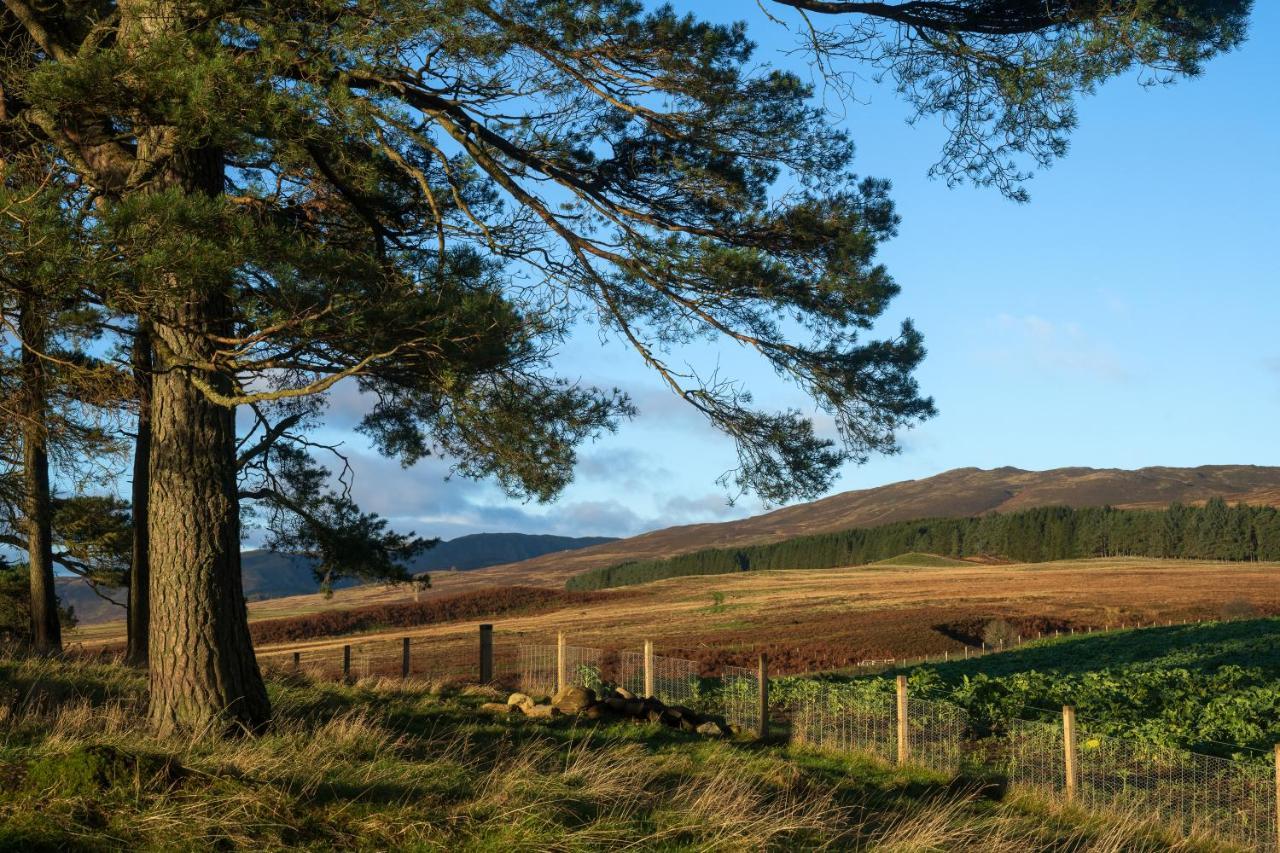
[[392, 765], [918, 560]]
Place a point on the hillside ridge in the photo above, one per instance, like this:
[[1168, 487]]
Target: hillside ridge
[[958, 492], [269, 574]]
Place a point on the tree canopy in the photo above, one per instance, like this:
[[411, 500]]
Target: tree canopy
[[422, 197]]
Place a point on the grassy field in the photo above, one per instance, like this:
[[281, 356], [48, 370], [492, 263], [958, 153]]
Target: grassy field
[[933, 561], [822, 620], [383, 765]]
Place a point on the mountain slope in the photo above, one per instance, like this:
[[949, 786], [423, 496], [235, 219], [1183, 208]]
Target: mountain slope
[[268, 574], [960, 492]]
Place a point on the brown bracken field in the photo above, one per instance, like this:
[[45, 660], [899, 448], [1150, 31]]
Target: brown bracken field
[[804, 620]]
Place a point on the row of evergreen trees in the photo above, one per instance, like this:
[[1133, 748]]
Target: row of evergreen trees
[[1214, 531]]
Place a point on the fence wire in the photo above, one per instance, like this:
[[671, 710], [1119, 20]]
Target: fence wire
[[836, 719], [431, 660], [740, 697], [1032, 757], [1185, 791], [1195, 794], [538, 668], [936, 734]]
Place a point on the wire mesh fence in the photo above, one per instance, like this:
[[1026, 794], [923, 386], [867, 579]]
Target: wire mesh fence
[[937, 735], [1186, 792], [538, 668], [676, 681], [832, 718], [425, 659], [1196, 794], [1183, 790], [740, 697], [1032, 757]]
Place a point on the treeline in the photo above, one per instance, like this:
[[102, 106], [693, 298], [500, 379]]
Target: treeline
[[1215, 531]]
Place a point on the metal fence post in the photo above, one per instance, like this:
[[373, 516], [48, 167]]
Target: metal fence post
[[486, 654], [1069, 750], [903, 747], [562, 663], [763, 690], [648, 669], [346, 662], [404, 658]]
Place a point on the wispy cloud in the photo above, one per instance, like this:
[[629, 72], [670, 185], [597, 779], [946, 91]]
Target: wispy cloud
[[1065, 348]]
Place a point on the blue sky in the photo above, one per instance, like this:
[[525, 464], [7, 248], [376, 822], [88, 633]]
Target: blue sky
[[1127, 316]]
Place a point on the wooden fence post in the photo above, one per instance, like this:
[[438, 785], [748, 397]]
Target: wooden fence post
[[562, 663], [648, 668], [763, 676], [297, 660], [1069, 750], [486, 654], [1278, 795], [346, 662], [903, 747], [404, 658]]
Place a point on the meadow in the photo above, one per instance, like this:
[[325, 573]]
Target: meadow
[[410, 765], [805, 620]]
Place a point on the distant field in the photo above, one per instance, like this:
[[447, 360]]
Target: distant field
[[815, 620], [923, 560]]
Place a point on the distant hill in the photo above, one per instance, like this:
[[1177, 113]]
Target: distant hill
[[960, 492], [268, 574]]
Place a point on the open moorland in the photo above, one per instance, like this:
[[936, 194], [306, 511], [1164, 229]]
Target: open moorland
[[805, 620]]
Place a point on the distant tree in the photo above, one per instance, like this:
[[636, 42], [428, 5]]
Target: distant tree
[[997, 633]]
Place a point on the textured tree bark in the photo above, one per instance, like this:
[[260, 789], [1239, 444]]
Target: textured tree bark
[[139, 567], [203, 673], [46, 630]]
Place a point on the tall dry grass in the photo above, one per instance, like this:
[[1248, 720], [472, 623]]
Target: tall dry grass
[[392, 765]]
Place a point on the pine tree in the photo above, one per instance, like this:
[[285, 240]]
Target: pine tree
[[422, 197]]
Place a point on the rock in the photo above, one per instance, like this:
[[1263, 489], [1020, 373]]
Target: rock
[[711, 729], [499, 708], [634, 708], [683, 713], [596, 711], [542, 711], [521, 701], [687, 725], [656, 716], [573, 699], [616, 703], [623, 693]]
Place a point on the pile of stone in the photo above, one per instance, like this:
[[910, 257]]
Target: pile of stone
[[614, 703]]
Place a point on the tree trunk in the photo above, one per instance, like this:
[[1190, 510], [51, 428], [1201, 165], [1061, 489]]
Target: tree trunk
[[203, 671], [204, 676], [139, 568], [46, 630]]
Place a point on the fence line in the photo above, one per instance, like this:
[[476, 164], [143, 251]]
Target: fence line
[[1186, 791]]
